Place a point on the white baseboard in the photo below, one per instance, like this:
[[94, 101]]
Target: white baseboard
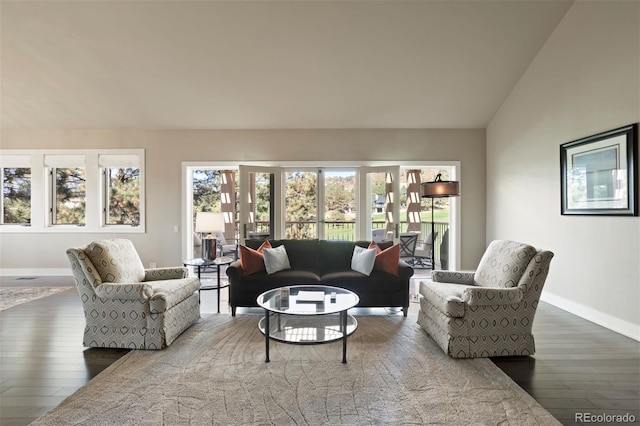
[[35, 272], [623, 327]]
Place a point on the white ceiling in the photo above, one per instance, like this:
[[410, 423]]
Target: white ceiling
[[265, 64]]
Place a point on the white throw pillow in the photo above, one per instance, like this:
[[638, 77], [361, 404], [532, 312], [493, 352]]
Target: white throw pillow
[[275, 259], [363, 260]]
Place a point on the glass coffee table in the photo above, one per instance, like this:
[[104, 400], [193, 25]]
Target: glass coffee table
[[307, 315]]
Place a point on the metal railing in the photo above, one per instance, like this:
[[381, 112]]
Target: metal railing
[[346, 230]]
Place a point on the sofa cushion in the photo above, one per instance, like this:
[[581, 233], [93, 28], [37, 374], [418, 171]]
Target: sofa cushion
[[503, 264], [363, 259], [336, 255], [252, 261], [280, 278], [387, 260], [376, 278], [303, 254], [116, 261], [446, 297], [276, 259]]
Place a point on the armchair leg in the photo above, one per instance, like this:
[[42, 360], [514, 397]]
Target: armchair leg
[[233, 311]]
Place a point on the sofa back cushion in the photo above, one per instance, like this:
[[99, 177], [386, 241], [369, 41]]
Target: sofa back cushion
[[387, 260], [302, 254], [503, 264], [116, 261], [276, 259], [336, 255], [252, 260]]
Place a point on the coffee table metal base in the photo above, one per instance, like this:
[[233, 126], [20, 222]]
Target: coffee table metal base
[[307, 330]]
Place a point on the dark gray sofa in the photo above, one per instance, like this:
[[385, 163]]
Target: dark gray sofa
[[322, 262]]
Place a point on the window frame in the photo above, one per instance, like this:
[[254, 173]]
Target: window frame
[[126, 161], [42, 192], [16, 162]]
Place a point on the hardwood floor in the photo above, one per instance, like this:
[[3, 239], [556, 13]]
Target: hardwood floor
[[579, 367]]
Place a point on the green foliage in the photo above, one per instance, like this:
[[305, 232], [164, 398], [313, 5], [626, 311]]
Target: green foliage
[[124, 196], [16, 193], [70, 195], [206, 191], [262, 206], [301, 195], [339, 197]]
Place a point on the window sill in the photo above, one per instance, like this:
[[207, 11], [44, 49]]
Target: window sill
[[71, 229]]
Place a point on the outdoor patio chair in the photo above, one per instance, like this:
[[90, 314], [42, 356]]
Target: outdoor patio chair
[[226, 249], [378, 235], [423, 254], [408, 244]]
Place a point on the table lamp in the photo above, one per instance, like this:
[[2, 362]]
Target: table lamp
[[207, 223]]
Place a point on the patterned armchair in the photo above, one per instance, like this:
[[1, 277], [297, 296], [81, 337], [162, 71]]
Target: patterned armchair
[[126, 306], [488, 312]]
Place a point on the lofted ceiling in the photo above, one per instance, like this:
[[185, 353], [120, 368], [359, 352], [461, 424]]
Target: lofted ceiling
[[265, 64]]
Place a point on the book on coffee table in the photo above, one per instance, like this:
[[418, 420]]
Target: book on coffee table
[[310, 296]]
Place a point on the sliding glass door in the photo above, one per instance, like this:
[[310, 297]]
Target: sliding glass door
[[379, 194], [320, 203], [301, 206], [332, 203], [260, 202], [339, 201]]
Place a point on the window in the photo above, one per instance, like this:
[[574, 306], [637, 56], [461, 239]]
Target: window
[[346, 196], [121, 189], [16, 190], [70, 192], [74, 190], [68, 189]]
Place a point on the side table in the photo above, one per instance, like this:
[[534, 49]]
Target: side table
[[202, 263]]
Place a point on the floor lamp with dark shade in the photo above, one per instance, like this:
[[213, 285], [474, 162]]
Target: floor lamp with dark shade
[[438, 188]]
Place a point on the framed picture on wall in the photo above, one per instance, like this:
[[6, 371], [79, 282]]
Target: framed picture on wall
[[599, 174]]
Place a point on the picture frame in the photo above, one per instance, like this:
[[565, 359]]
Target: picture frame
[[599, 174]]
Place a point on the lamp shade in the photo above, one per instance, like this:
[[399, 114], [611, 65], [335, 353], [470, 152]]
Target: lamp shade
[[440, 189], [209, 222]]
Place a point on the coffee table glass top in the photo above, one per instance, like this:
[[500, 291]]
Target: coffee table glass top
[[308, 300], [205, 262]]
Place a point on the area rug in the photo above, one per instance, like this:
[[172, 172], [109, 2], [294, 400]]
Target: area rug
[[215, 374], [14, 296]]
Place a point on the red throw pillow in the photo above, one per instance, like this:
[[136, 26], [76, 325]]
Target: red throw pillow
[[387, 260], [252, 261]]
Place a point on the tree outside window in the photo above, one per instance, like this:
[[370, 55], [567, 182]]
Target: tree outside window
[[123, 189], [70, 196], [16, 195], [301, 208]]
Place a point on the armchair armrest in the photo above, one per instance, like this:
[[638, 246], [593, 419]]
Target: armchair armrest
[[455, 277], [130, 291], [491, 296], [159, 274]]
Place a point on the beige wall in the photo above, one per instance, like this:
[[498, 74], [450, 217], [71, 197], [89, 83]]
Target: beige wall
[[167, 149], [585, 80]]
